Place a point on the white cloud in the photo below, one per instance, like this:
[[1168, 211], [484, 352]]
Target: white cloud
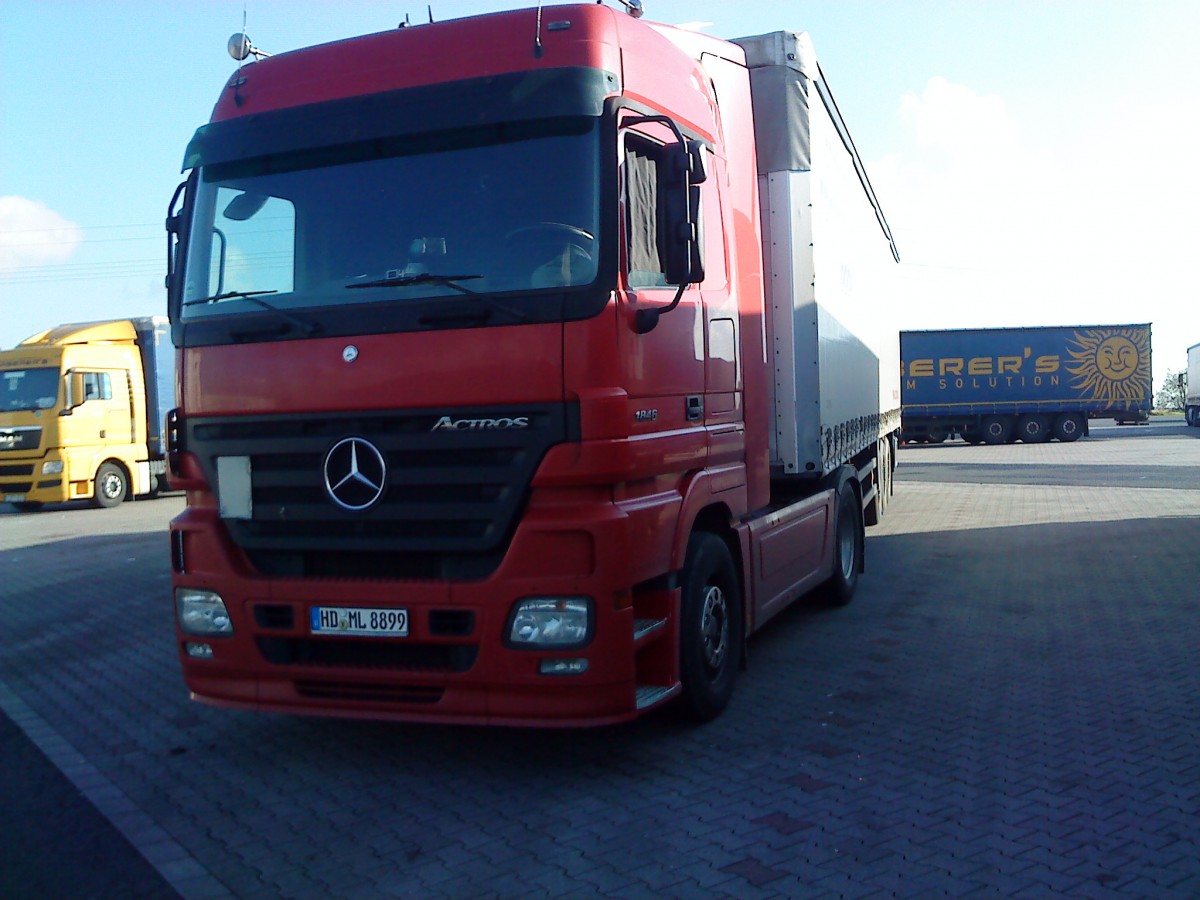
[[959, 179], [32, 234], [1000, 222]]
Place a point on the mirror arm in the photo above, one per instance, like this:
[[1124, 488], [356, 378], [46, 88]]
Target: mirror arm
[[646, 320]]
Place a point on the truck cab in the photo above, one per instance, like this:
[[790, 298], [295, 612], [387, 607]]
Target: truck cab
[[475, 412], [79, 418]]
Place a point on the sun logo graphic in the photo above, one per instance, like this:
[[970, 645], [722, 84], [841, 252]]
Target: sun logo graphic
[[1111, 364]]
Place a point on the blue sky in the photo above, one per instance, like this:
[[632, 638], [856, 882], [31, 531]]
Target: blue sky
[[1037, 161]]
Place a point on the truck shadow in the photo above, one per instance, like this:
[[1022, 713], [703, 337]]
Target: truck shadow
[[958, 647]]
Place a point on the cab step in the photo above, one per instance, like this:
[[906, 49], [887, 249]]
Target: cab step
[[644, 627], [653, 694]]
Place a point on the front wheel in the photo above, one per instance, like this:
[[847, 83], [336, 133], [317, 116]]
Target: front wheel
[[111, 486], [710, 627]]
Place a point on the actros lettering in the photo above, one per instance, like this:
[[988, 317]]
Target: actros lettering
[[445, 423]]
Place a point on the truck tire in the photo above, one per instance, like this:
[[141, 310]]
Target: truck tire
[[1069, 427], [938, 436], [873, 514], [710, 627], [1035, 429], [849, 539], [111, 486], [996, 429]]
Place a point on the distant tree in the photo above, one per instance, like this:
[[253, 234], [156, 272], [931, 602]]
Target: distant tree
[[1173, 393]]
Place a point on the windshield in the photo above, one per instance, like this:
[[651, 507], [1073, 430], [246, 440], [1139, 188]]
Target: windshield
[[508, 209], [28, 389]]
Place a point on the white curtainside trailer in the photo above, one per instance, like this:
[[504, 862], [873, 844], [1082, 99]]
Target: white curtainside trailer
[[829, 259]]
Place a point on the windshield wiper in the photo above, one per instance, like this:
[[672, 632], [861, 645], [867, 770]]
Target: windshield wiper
[[230, 295], [421, 278], [479, 316], [253, 297]]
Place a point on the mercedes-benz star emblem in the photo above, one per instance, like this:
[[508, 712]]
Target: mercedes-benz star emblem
[[349, 353], [355, 474]]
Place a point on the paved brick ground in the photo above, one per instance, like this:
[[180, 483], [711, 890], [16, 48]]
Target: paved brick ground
[[1008, 708]]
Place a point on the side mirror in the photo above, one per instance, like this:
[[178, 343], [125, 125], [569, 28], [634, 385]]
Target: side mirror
[[245, 206], [680, 230], [75, 392], [697, 165], [176, 240], [684, 237]]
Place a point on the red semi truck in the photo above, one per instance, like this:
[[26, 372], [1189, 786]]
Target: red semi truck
[[529, 363]]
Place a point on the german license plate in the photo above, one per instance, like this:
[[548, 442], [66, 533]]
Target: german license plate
[[359, 621], [14, 498]]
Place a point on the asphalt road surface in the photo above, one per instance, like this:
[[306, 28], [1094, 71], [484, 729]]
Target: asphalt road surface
[[1008, 708]]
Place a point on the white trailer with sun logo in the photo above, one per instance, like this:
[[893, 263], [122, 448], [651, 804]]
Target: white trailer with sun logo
[[998, 385]]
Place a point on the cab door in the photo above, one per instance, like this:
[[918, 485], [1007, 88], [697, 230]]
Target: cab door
[[106, 415]]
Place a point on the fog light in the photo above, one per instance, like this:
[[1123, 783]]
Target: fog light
[[52, 467], [198, 651], [201, 612], [559, 622], [563, 666]]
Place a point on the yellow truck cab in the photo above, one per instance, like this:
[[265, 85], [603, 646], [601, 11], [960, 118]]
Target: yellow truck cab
[[82, 413]]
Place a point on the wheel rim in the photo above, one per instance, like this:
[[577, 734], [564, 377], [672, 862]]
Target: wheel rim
[[714, 627], [112, 487], [846, 547]]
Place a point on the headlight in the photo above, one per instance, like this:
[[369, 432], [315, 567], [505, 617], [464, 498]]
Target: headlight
[[201, 612], [52, 467], [550, 623]]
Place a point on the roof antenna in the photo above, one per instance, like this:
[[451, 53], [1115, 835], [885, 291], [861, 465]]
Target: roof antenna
[[538, 50], [430, 8]]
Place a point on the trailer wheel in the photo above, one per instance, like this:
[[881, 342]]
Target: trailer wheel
[[111, 486], [873, 514], [938, 437], [849, 541], [1034, 429], [1068, 427], [710, 628], [996, 429]]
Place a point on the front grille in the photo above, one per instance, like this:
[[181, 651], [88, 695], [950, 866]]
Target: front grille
[[451, 495], [17, 487], [15, 471], [371, 653], [21, 437]]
